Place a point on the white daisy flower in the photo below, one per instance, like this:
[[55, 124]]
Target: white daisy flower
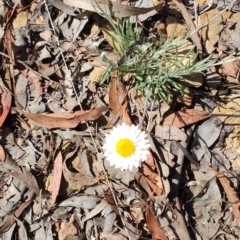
[[126, 146]]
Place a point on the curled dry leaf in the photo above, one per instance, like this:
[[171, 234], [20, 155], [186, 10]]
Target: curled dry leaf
[[185, 117], [59, 122], [110, 7]]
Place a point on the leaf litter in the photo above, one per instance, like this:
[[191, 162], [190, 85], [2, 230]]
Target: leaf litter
[[55, 183]]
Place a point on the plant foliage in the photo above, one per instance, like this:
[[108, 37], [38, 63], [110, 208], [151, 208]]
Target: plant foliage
[[159, 66]]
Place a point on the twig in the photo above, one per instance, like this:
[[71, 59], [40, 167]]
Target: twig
[[189, 21]]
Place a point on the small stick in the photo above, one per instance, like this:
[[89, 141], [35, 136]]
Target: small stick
[[189, 21]]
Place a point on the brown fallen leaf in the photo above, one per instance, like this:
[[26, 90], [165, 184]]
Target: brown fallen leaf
[[174, 28], [150, 161], [143, 182], [34, 79], [125, 113], [231, 68], [112, 236], [153, 179], [57, 176], [118, 100], [6, 100], [67, 228], [210, 34], [11, 219], [110, 8], [8, 166], [185, 117], [78, 180], [59, 122], [2, 154], [115, 91], [231, 193], [154, 226]]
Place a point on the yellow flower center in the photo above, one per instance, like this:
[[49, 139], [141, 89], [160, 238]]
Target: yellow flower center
[[125, 147]]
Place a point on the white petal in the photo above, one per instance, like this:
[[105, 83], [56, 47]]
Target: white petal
[[132, 133]]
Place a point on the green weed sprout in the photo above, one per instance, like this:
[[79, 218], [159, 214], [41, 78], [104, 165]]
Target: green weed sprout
[[159, 67]]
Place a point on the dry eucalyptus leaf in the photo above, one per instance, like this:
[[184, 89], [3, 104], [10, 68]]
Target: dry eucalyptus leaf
[[144, 4], [6, 100], [113, 236], [99, 208], [57, 177], [85, 202], [231, 194], [115, 91], [109, 221], [10, 167], [186, 117], [59, 122], [232, 68], [11, 219], [203, 204], [170, 133], [154, 225], [208, 132], [110, 7], [67, 228], [78, 180], [231, 107]]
